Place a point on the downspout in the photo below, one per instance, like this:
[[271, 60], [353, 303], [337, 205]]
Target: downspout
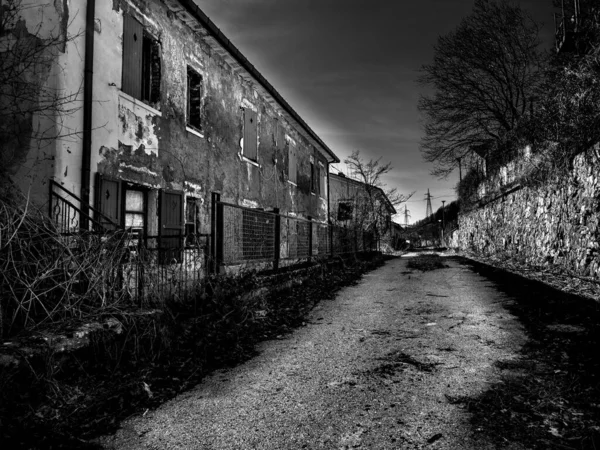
[[87, 115]]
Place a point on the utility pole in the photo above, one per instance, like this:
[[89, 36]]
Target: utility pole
[[428, 210], [443, 218], [443, 212]]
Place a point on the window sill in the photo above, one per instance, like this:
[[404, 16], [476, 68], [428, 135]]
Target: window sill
[[139, 104], [250, 161], [194, 131]]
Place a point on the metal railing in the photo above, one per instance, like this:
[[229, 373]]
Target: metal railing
[[65, 210]]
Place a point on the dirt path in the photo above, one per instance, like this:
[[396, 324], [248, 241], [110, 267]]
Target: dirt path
[[379, 367]]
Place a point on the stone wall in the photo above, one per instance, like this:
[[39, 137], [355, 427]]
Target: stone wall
[[554, 225]]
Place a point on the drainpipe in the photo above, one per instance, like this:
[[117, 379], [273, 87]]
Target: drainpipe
[[87, 115]]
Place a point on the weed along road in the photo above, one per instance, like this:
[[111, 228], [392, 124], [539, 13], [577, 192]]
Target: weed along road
[[382, 366]]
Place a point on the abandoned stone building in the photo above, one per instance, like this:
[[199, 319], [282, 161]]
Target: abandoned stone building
[[164, 120], [357, 205]]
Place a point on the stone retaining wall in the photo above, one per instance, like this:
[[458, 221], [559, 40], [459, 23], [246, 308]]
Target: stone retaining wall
[[551, 225]]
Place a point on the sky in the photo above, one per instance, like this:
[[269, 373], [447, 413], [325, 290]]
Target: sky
[[349, 68]]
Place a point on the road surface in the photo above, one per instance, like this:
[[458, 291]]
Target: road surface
[[378, 367]]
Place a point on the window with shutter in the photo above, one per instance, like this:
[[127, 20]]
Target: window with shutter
[[141, 63], [250, 135], [133, 38]]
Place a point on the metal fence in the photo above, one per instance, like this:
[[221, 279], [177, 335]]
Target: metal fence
[[160, 268], [246, 235], [157, 268]]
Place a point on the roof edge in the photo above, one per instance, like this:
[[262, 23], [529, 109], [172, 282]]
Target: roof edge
[[205, 21]]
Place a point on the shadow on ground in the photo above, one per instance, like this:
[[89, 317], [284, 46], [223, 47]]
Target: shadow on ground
[[550, 398]]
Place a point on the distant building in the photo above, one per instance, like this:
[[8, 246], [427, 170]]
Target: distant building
[[354, 204]]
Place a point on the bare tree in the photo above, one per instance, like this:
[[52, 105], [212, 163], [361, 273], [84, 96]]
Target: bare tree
[[484, 76], [373, 206]]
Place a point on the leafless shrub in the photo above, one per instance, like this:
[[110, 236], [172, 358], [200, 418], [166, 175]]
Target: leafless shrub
[[46, 276]]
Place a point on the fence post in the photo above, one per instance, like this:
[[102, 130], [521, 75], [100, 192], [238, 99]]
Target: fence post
[[331, 246], [215, 233], [277, 240], [310, 237]]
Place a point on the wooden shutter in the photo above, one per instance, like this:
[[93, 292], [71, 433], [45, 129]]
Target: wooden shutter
[[133, 38], [280, 138], [108, 201], [250, 150], [171, 226], [292, 166]]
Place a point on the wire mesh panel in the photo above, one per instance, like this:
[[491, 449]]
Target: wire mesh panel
[[322, 240], [344, 240], [295, 238], [248, 234]]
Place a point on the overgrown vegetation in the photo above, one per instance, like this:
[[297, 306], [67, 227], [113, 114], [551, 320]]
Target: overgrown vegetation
[[503, 109], [62, 400], [47, 277]]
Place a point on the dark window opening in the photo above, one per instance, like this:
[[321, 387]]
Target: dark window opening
[[150, 70], [345, 210], [194, 95], [315, 175], [192, 223]]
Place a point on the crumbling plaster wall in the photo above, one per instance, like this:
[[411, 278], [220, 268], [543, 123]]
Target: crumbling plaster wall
[[46, 137], [198, 162], [556, 224]]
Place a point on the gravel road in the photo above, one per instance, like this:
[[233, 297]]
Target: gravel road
[[378, 367]]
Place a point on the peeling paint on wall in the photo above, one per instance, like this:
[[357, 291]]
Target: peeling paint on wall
[[250, 203], [143, 170], [137, 125]]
